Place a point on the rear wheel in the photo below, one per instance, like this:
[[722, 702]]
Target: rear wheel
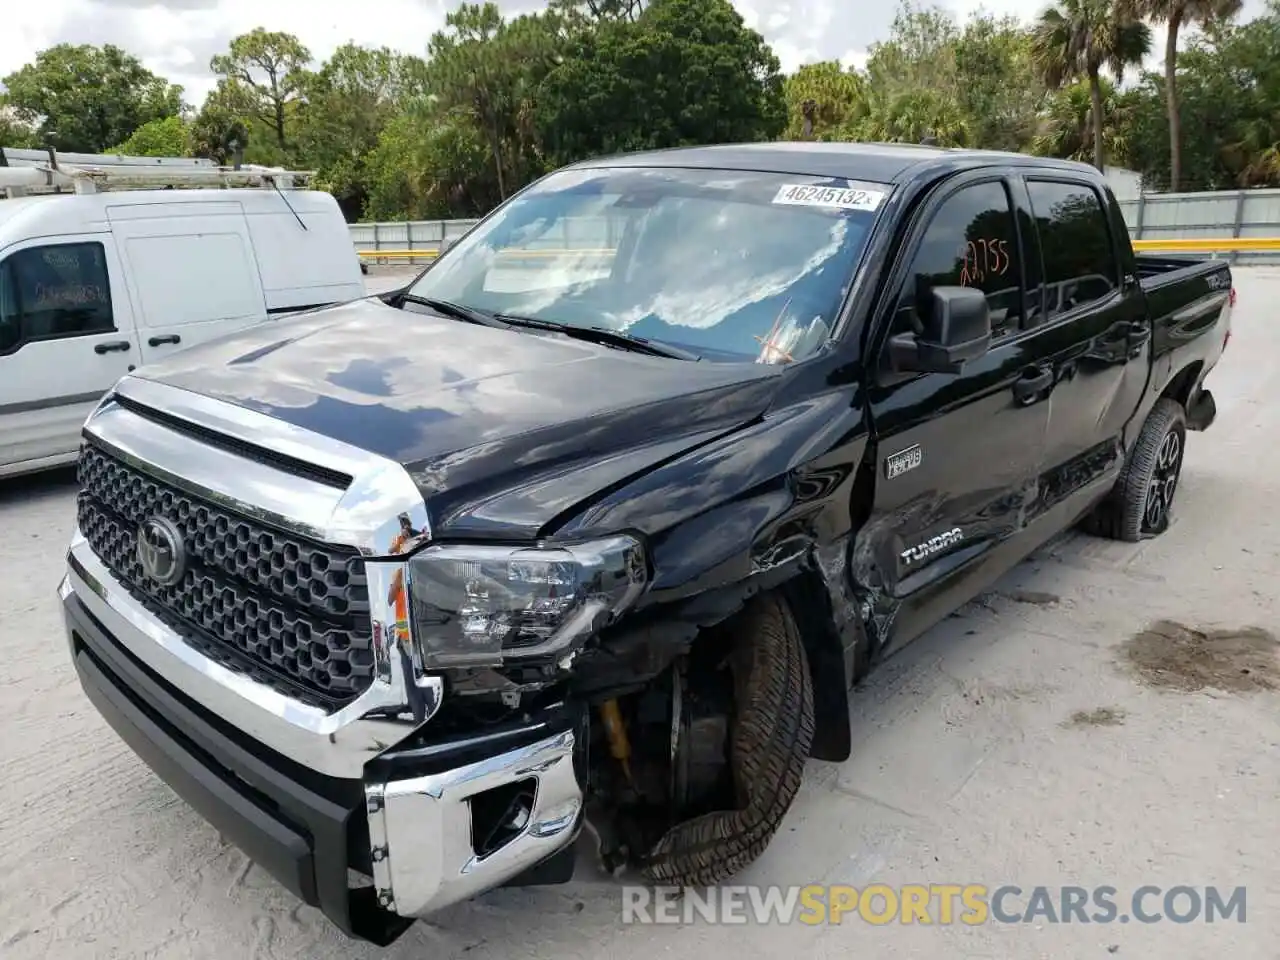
[[1139, 506], [771, 731]]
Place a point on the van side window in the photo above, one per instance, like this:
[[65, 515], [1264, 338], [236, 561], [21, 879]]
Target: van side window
[[52, 292], [971, 242], [1079, 260]]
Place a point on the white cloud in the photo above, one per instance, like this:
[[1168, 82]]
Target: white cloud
[[176, 38]]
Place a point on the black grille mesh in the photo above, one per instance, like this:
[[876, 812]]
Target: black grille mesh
[[285, 610]]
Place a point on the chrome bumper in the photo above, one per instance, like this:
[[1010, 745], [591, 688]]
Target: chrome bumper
[[422, 829], [423, 848]]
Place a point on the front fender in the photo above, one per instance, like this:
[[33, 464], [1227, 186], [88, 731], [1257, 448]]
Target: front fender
[[768, 506]]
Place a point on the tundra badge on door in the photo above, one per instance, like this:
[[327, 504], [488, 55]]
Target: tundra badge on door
[[896, 464], [922, 551]]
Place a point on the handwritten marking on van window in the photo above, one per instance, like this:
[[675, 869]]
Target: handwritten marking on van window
[[69, 295], [61, 259], [844, 198], [982, 259]]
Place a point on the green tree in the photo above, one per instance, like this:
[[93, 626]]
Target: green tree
[[920, 53], [973, 84], [914, 116], [1066, 126], [683, 72], [486, 71], [426, 167], [14, 133], [823, 101], [86, 98], [220, 130], [1175, 14], [1228, 88], [350, 100], [264, 73], [170, 137], [1077, 39], [996, 82]]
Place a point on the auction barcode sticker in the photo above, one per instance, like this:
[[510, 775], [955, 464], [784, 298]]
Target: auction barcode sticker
[[845, 198]]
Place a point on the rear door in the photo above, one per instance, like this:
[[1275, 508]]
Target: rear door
[[1093, 320], [959, 455], [66, 336], [191, 271]]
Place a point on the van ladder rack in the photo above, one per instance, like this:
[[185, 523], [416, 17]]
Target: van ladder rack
[[25, 172]]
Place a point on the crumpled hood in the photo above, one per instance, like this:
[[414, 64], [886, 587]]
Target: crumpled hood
[[503, 430]]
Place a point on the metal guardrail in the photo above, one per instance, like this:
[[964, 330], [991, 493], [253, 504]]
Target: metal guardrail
[[1170, 245], [431, 253]]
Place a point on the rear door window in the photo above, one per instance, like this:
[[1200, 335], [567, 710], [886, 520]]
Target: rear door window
[[1075, 239], [53, 292]]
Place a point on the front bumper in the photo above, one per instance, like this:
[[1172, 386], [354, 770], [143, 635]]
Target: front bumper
[[411, 822]]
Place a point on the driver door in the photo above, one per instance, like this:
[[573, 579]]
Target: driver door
[[959, 455]]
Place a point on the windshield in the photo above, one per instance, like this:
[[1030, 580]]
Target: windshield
[[733, 266]]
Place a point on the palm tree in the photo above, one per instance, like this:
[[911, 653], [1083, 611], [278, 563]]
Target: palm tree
[[1174, 14], [822, 99], [1077, 38], [1066, 123]]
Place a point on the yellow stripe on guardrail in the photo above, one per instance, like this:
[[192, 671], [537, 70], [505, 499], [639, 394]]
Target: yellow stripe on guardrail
[[1178, 245], [1210, 244]]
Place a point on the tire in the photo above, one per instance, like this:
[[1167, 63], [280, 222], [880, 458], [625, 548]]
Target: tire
[[772, 729], [1138, 507]]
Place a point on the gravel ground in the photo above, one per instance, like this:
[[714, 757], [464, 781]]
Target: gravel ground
[[1105, 716]]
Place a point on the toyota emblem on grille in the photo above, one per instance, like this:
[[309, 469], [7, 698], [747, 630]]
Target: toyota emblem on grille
[[160, 551]]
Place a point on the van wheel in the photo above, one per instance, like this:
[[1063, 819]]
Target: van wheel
[[1139, 505], [771, 731]]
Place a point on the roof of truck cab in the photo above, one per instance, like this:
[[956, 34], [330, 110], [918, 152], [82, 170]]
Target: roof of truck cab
[[876, 162], [56, 214]]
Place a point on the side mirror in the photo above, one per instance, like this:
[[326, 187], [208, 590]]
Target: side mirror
[[444, 245], [956, 329]]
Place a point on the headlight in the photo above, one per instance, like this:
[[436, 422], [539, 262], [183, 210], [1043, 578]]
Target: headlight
[[483, 605]]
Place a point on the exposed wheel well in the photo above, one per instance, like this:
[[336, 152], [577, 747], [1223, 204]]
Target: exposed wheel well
[[810, 605], [1179, 388]]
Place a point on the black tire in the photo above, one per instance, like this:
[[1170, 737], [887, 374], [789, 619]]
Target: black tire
[[1139, 505], [772, 729]]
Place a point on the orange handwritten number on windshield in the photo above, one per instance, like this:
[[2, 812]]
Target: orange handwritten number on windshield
[[982, 259]]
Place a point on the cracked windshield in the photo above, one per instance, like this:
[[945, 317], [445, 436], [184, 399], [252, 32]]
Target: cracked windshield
[[732, 267]]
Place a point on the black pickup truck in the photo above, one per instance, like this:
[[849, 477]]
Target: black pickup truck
[[599, 519]]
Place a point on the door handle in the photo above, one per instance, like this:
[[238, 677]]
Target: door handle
[[167, 338], [115, 346], [1031, 383], [1139, 333]]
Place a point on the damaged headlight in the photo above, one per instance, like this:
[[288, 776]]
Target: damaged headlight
[[483, 605]]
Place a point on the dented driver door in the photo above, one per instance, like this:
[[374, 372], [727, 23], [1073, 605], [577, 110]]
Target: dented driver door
[[958, 455]]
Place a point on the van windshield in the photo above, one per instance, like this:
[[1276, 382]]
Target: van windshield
[[733, 266]]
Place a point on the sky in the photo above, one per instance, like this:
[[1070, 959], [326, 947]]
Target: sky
[[176, 38]]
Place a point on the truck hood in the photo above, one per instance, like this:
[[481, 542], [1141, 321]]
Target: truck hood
[[502, 430]]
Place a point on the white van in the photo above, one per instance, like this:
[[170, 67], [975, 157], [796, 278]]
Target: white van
[[95, 284]]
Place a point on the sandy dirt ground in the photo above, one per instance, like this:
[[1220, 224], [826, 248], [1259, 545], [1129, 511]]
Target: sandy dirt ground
[[1107, 715]]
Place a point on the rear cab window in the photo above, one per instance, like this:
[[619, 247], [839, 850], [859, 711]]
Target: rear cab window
[[54, 292], [1080, 265]]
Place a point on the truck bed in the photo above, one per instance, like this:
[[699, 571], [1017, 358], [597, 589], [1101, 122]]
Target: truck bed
[[1156, 271]]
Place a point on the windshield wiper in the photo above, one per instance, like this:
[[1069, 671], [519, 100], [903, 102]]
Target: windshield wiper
[[457, 311], [612, 338]]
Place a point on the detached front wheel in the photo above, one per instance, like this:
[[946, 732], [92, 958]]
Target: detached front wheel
[[771, 730], [1139, 506]]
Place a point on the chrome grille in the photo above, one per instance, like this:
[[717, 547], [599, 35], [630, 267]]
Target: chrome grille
[[285, 610]]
